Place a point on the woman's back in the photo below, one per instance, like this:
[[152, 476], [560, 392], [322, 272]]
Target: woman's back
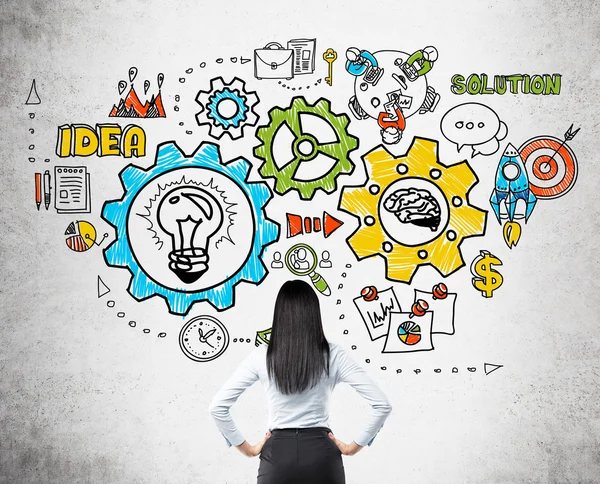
[[309, 408], [298, 371]]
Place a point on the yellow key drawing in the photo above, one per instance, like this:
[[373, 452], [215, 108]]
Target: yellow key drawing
[[330, 56]]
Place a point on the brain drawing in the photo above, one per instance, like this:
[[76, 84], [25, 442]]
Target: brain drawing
[[414, 206]]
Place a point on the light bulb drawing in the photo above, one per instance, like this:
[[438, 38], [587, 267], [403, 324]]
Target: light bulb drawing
[[191, 216]]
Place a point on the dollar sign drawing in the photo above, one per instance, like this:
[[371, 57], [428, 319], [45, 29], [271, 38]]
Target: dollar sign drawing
[[486, 279]]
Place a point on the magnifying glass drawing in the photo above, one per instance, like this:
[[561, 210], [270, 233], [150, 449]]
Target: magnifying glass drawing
[[297, 260]]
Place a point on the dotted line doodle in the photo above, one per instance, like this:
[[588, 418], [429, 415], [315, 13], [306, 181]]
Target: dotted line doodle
[[32, 146], [487, 369], [202, 65], [241, 340], [343, 275], [32, 98], [293, 88], [103, 289]]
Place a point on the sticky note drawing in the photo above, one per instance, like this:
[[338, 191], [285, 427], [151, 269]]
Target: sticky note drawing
[[375, 307], [407, 336], [442, 304]]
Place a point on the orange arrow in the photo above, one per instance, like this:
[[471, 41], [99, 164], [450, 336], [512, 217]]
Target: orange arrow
[[330, 224]]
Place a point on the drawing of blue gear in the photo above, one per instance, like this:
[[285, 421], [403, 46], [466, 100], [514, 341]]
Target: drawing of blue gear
[[227, 108], [241, 108], [170, 158], [338, 150]]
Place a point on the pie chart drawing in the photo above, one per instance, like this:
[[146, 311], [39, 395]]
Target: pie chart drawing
[[409, 333], [406, 335], [82, 236]]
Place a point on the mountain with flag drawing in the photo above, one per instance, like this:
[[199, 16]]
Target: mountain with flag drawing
[[131, 107]]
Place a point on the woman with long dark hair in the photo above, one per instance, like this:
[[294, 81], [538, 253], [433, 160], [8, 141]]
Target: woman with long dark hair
[[298, 371]]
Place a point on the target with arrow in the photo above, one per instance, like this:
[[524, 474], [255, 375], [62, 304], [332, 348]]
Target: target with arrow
[[551, 164]]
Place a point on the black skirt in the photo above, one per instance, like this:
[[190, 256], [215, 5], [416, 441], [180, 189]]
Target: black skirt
[[301, 456]]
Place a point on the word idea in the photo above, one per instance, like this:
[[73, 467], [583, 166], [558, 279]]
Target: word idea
[[105, 140]]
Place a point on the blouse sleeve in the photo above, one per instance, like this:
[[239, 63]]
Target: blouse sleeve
[[243, 378], [357, 378]]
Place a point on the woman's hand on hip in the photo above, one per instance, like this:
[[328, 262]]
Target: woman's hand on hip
[[346, 449], [253, 450]]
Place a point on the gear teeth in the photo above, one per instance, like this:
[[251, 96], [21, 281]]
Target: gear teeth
[[208, 154], [130, 176], [112, 208], [234, 91], [167, 153], [265, 170], [202, 98], [240, 166], [169, 157], [324, 104], [284, 178], [280, 187], [252, 99], [218, 131], [420, 163], [252, 118]]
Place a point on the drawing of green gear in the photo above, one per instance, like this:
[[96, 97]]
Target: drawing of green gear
[[305, 148]]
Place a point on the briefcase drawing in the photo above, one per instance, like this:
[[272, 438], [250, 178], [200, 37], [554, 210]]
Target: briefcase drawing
[[274, 62]]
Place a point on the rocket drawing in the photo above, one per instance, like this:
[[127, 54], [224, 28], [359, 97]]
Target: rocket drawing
[[512, 184]]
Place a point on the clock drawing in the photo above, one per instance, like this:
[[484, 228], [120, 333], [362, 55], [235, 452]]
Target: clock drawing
[[203, 338]]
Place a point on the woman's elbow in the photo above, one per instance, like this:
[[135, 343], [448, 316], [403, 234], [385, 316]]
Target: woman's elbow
[[385, 408], [216, 410]]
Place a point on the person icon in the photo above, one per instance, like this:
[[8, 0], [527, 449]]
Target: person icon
[[298, 259], [420, 63], [391, 135], [392, 123], [325, 262], [357, 61], [363, 63], [276, 263]]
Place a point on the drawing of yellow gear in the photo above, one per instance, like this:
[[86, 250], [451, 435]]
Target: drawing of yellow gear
[[309, 164], [413, 211]]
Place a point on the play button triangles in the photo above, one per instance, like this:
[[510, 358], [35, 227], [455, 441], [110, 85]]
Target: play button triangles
[[103, 289], [296, 224], [490, 367]]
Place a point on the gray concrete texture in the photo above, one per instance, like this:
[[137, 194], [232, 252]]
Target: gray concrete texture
[[88, 397]]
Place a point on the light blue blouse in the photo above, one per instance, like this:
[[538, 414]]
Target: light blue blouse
[[301, 410]]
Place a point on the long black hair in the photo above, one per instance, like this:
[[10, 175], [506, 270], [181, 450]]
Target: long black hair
[[298, 353]]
